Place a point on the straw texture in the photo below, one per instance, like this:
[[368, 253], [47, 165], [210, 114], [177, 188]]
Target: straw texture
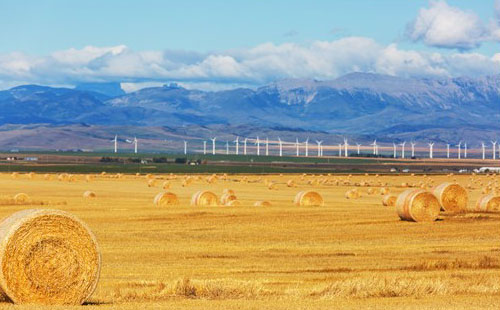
[[308, 198], [47, 257], [451, 196], [488, 203], [165, 199], [204, 198]]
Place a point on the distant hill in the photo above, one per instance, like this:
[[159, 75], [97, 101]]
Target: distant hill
[[358, 104]]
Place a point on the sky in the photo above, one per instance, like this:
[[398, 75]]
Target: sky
[[224, 44]]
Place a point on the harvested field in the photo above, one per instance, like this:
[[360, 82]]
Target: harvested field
[[348, 253]]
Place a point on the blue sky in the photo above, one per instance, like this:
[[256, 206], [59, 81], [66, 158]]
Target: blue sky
[[206, 43]]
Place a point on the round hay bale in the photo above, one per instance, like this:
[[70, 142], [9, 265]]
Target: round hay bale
[[352, 194], [47, 257], [451, 196], [488, 203], [384, 191], [151, 183], [225, 198], [308, 199], [165, 199], [262, 203], [21, 198], [232, 203], [290, 183], [417, 205], [89, 195], [165, 185], [204, 198], [389, 200]]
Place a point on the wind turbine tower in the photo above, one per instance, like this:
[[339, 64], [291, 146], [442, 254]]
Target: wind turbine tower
[[403, 149], [448, 150], [116, 143], [431, 146], [307, 147], [258, 146], [227, 147], [319, 147], [340, 149], [494, 144], [213, 145], [459, 150], [297, 146], [394, 148], [281, 146], [345, 148], [185, 147], [412, 149], [237, 145], [245, 146], [204, 147], [465, 150], [135, 145], [267, 146], [358, 146], [484, 150]]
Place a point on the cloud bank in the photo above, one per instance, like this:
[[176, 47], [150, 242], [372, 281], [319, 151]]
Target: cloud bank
[[445, 26]]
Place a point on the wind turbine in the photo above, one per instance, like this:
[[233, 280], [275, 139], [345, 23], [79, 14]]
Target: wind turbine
[[394, 147], [237, 142], [227, 147], [116, 143], [459, 145], [465, 150], [494, 143], [213, 145], [319, 147], [375, 150], [267, 147], [431, 146], [135, 145], [185, 147], [412, 149], [358, 145], [258, 146], [484, 150], [297, 146], [340, 149], [448, 150], [403, 149], [245, 146], [307, 146], [281, 146], [345, 148], [204, 147]]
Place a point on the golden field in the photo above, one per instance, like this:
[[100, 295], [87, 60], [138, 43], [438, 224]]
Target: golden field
[[348, 254]]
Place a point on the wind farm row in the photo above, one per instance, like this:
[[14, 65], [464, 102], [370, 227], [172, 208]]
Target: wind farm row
[[317, 148]]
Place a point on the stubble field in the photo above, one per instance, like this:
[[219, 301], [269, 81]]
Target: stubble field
[[349, 254]]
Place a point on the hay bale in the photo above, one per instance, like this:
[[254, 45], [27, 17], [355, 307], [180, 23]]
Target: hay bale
[[308, 199], [151, 183], [488, 203], [47, 257], [389, 200], [204, 198], [14, 175], [225, 198], [262, 203], [384, 191], [417, 205], [21, 198], [232, 203], [165, 185], [370, 191], [272, 186], [352, 194], [227, 191], [290, 183], [46, 177], [165, 199], [451, 196], [89, 195]]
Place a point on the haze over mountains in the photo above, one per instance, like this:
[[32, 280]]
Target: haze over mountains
[[359, 105]]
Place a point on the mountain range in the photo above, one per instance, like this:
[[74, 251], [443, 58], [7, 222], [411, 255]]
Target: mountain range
[[361, 105]]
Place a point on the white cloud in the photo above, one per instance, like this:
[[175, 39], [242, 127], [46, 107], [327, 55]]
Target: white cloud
[[252, 66], [442, 25]]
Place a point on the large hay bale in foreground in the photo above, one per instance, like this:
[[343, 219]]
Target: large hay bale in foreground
[[389, 200], [204, 198], [89, 195], [451, 196], [262, 203], [47, 257], [165, 199], [417, 205], [308, 199], [488, 203]]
